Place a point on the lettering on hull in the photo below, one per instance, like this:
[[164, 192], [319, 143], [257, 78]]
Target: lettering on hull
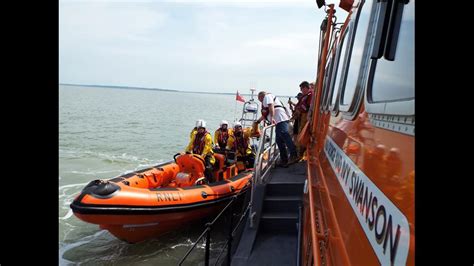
[[168, 196]]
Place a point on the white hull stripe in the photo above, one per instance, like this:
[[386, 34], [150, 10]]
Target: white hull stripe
[[384, 224]]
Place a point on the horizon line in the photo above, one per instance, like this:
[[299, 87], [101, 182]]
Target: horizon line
[[157, 89]]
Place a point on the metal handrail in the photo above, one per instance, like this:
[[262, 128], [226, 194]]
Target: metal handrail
[[259, 167], [208, 229], [300, 235], [231, 238], [258, 177], [314, 122]]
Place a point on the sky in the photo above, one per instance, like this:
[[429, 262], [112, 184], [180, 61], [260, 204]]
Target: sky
[[212, 46]]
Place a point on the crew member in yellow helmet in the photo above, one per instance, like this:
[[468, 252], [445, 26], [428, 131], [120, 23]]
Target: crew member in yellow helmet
[[194, 130], [239, 142], [222, 135]]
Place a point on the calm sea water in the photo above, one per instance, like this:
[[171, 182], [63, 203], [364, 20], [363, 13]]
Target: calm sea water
[[105, 132]]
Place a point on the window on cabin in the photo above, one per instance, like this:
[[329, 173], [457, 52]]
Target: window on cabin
[[327, 77], [355, 60], [338, 65], [394, 77]]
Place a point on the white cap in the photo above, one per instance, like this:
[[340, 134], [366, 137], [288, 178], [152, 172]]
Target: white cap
[[200, 123], [237, 124], [224, 122]]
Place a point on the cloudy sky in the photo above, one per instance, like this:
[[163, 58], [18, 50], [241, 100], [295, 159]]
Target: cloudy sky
[[212, 45]]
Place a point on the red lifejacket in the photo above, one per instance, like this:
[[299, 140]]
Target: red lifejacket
[[199, 142], [222, 138], [241, 144], [304, 103]]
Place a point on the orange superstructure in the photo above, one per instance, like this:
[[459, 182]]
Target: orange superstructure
[[359, 208]]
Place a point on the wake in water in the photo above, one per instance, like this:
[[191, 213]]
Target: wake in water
[[106, 157], [67, 194], [188, 243], [102, 247], [65, 247], [94, 173], [67, 216], [71, 185]]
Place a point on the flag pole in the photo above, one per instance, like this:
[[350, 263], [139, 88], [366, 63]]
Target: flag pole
[[235, 108]]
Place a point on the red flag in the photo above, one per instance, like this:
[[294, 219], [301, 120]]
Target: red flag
[[239, 98]]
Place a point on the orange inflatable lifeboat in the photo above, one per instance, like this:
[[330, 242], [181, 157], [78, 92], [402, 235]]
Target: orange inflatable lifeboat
[[147, 203]]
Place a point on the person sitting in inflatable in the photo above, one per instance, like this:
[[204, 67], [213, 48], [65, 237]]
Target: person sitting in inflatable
[[201, 144], [239, 145], [221, 136]]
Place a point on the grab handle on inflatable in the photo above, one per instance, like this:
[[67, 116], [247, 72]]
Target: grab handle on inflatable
[[176, 155], [200, 158]]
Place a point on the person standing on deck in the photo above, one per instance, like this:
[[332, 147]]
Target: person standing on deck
[[295, 119], [275, 113], [302, 108], [201, 143]]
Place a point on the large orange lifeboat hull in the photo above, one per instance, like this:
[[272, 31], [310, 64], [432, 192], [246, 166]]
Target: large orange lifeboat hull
[[148, 203]]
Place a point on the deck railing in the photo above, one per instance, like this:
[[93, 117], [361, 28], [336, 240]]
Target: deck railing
[[208, 230], [267, 155]]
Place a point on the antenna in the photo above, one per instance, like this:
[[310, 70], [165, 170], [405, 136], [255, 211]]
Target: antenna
[[252, 90]]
